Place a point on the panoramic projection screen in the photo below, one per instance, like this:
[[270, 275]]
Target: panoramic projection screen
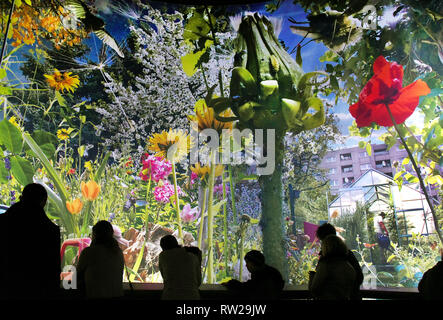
[[232, 127]]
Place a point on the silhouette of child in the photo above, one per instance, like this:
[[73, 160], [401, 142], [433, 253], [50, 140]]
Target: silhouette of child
[[100, 266]]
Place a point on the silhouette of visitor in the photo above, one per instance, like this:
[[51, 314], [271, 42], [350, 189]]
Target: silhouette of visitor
[[30, 248], [431, 285], [334, 278], [266, 282], [180, 269], [100, 266], [327, 229]]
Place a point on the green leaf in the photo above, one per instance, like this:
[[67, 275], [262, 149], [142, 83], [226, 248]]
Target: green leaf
[[2, 73], [189, 61], [61, 101], [10, 136], [22, 170], [5, 91], [369, 149], [3, 173], [329, 56], [42, 137], [398, 174]]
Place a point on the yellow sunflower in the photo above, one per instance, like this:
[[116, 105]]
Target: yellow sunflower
[[64, 134], [205, 117], [203, 171], [61, 82], [172, 145]]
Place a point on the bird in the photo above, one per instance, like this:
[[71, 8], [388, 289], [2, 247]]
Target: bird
[[92, 23], [333, 28]]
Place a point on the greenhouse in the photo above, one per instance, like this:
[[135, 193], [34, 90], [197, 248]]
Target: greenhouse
[[225, 129]]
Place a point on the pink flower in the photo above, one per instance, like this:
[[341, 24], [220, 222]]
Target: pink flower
[[218, 189], [194, 177], [187, 214], [155, 168], [162, 193]]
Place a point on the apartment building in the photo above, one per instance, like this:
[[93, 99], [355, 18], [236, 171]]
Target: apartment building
[[344, 166]]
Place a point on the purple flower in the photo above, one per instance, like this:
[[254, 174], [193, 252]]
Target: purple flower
[[7, 164]]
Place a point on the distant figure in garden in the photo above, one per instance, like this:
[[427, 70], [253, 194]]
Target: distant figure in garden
[[30, 248], [431, 285], [100, 266], [334, 277], [327, 229], [382, 235], [180, 268], [266, 282]]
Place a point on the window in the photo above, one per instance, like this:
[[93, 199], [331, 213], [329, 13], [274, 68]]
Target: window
[[332, 171], [363, 154], [333, 183], [345, 156], [346, 169], [381, 150], [347, 181], [330, 159], [365, 166], [383, 164]]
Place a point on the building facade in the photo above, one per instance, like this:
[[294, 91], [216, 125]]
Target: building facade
[[344, 166]]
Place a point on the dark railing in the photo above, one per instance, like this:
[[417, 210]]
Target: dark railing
[[152, 291]]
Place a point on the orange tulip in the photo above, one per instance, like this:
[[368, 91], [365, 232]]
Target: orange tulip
[[75, 206], [90, 190]]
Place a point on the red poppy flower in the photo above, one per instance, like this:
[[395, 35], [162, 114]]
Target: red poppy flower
[[385, 88], [368, 245]]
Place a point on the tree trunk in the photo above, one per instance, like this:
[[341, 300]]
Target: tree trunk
[[272, 214]]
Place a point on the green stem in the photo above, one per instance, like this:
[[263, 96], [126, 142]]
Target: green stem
[[177, 204], [272, 212], [226, 249], [210, 219], [241, 252], [142, 250], [420, 179], [232, 191], [202, 218]]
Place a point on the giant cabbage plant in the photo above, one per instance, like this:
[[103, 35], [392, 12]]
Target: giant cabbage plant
[[268, 90]]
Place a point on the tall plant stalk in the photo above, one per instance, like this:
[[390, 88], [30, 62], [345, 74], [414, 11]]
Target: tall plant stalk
[[226, 249], [177, 203], [210, 238], [146, 218], [202, 218], [420, 179]]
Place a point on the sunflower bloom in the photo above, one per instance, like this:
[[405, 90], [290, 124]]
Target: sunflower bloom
[[203, 171], [61, 82], [64, 134], [172, 145], [90, 190], [205, 117], [75, 206]]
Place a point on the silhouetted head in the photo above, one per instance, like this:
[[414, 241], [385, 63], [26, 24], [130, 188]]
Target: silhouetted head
[[333, 246], [103, 233], [325, 230], [254, 260], [34, 194], [382, 214], [168, 242]]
